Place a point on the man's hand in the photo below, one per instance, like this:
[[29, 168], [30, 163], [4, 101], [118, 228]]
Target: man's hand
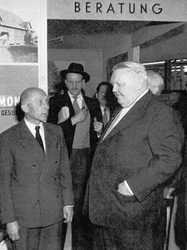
[[63, 114], [68, 214], [122, 188], [12, 229], [97, 125], [79, 116]]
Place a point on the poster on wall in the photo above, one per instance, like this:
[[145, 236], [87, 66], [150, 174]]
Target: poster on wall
[[20, 54], [14, 79], [19, 31]]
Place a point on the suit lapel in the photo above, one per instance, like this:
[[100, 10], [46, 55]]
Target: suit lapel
[[30, 144], [116, 112], [50, 141], [68, 103], [132, 115]]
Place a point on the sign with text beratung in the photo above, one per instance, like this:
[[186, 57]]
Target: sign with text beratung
[[144, 10]]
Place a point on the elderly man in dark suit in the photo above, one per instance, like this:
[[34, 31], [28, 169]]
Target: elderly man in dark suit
[[35, 179], [137, 154], [80, 118]]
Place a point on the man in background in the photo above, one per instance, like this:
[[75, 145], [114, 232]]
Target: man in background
[[155, 82], [135, 157], [107, 101], [80, 118], [35, 180]]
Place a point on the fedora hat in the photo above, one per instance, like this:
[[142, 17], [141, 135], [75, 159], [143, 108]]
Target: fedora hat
[[75, 68]]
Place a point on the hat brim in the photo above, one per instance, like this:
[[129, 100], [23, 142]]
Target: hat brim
[[64, 72]]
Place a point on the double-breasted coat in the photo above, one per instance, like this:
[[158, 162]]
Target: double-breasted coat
[[34, 187]]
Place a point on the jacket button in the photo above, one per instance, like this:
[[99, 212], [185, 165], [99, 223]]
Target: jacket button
[[33, 166]]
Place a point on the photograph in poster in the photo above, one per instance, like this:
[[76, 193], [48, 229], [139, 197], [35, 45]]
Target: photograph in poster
[[19, 32]]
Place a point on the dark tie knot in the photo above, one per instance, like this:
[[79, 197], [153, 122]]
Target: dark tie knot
[[37, 129]]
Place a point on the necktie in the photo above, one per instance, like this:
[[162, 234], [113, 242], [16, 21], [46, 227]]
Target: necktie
[[112, 124], [75, 104], [38, 137], [105, 118]]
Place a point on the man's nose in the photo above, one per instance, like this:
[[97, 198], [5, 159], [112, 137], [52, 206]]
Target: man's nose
[[46, 105], [74, 85], [114, 89]]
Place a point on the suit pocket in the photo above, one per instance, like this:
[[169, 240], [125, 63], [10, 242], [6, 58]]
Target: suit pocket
[[127, 205], [124, 198]]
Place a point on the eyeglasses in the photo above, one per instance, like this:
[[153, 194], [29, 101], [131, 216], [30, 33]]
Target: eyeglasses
[[102, 93]]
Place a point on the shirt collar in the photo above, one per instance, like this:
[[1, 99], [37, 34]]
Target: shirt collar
[[79, 96], [32, 126], [102, 108]]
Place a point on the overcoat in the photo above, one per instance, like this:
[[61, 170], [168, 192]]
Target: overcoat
[[144, 149], [57, 102], [34, 187]]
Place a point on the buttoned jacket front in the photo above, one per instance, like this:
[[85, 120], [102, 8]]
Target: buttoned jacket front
[[34, 186]]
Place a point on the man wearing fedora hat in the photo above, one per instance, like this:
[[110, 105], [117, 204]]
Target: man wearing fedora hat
[[81, 120]]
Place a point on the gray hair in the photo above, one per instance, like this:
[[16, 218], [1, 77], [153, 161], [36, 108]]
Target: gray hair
[[135, 67]]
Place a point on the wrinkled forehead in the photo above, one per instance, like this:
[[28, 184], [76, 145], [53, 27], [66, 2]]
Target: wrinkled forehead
[[31, 95], [39, 95]]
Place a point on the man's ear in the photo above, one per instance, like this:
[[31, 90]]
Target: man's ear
[[83, 85], [66, 83], [140, 82], [96, 95], [24, 107]]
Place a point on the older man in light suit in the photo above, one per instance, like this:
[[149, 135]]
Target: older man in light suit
[[35, 179], [138, 153]]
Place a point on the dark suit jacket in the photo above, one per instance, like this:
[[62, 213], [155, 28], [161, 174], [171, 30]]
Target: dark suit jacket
[[34, 188], [145, 150], [57, 102]]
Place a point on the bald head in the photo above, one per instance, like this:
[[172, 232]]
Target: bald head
[[28, 93], [155, 82], [34, 103]]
